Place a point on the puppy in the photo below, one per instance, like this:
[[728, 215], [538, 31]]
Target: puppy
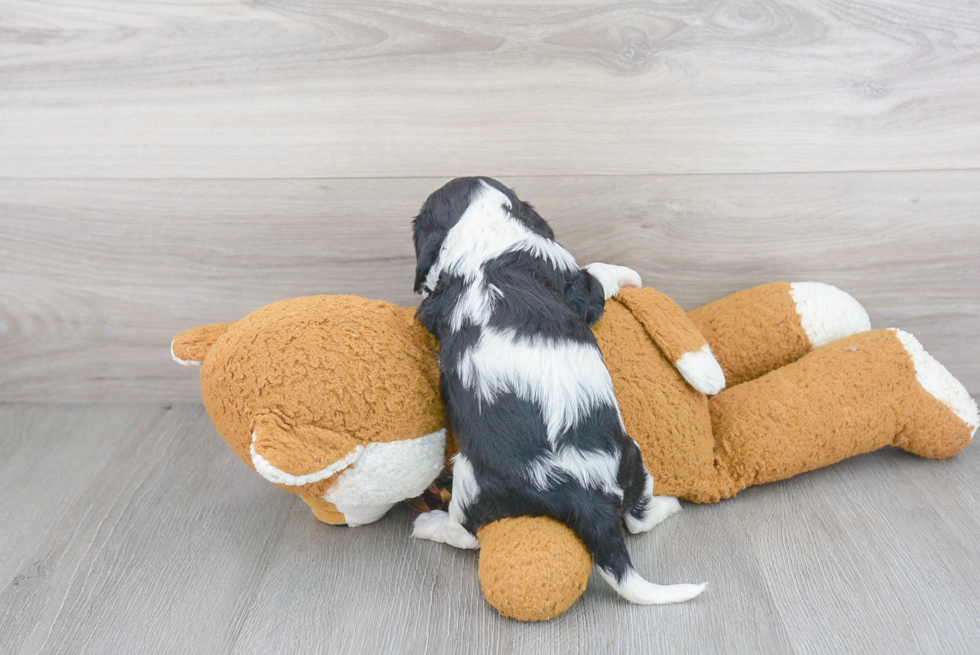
[[525, 387]]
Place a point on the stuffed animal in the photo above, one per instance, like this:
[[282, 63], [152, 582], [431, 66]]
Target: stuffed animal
[[336, 398]]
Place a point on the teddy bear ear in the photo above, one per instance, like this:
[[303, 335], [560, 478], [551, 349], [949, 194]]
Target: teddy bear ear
[[296, 455], [189, 348]]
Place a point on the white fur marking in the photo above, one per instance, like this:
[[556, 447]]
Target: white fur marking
[[939, 382], [565, 378], [387, 473], [592, 469], [278, 476], [182, 362], [702, 371], [637, 590], [661, 507], [465, 487], [613, 278], [485, 231], [827, 313], [476, 304], [440, 526]]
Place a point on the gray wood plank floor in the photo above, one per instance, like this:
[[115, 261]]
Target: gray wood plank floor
[[164, 165], [132, 528]]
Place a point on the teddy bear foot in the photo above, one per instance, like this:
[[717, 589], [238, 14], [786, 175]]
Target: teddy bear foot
[[440, 526], [660, 508], [939, 383], [827, 313]]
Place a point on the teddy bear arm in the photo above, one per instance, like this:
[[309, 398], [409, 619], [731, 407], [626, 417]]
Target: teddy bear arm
[[676, 336]]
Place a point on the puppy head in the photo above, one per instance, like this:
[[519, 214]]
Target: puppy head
[[443, 209], [522, 211]]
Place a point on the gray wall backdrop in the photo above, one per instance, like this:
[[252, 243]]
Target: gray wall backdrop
[[156, 174]]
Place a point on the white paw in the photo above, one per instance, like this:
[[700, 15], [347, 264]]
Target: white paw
[[702, 371], [439, 526], [613, 278], [660, 508], [628, 277], [430, 525]]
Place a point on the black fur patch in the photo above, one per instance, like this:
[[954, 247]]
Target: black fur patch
[[536, 299]]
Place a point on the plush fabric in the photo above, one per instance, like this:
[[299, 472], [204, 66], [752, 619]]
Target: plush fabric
[[309, 391], [305, 383], [516, 572]]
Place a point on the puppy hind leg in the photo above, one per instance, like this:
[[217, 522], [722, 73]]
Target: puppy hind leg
[[440, 526], [447, 527], [652, 512], [641, 509]]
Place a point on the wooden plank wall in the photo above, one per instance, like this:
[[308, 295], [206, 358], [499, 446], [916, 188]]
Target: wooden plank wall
[[165, 165]]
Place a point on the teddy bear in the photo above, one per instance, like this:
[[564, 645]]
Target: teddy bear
[[336, 399]]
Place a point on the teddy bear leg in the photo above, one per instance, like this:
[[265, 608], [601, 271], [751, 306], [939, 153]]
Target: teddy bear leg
[[943, 417], [760, 329], [853, 396]]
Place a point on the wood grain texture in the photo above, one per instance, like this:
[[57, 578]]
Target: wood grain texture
[[160, 540], [884, 539], [295, 88], [96, 277], [133, 562]]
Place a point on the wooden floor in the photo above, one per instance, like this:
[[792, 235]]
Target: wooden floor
[[133, 528], [165, 165]]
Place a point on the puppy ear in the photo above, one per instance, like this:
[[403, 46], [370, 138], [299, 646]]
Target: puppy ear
[[428, 242]]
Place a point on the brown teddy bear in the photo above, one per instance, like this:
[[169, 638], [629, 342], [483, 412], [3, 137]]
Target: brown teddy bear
[[336, 398]]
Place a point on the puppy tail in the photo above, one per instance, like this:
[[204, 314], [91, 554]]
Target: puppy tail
[[608, 549]]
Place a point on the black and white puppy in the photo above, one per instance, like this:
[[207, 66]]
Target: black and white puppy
[[525, 387]]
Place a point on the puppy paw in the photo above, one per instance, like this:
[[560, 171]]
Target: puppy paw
[[613, 278], [439, 526], [660, 508], [430, 525]]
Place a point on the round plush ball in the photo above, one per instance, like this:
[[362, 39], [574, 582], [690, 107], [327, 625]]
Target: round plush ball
[[532, 568]]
